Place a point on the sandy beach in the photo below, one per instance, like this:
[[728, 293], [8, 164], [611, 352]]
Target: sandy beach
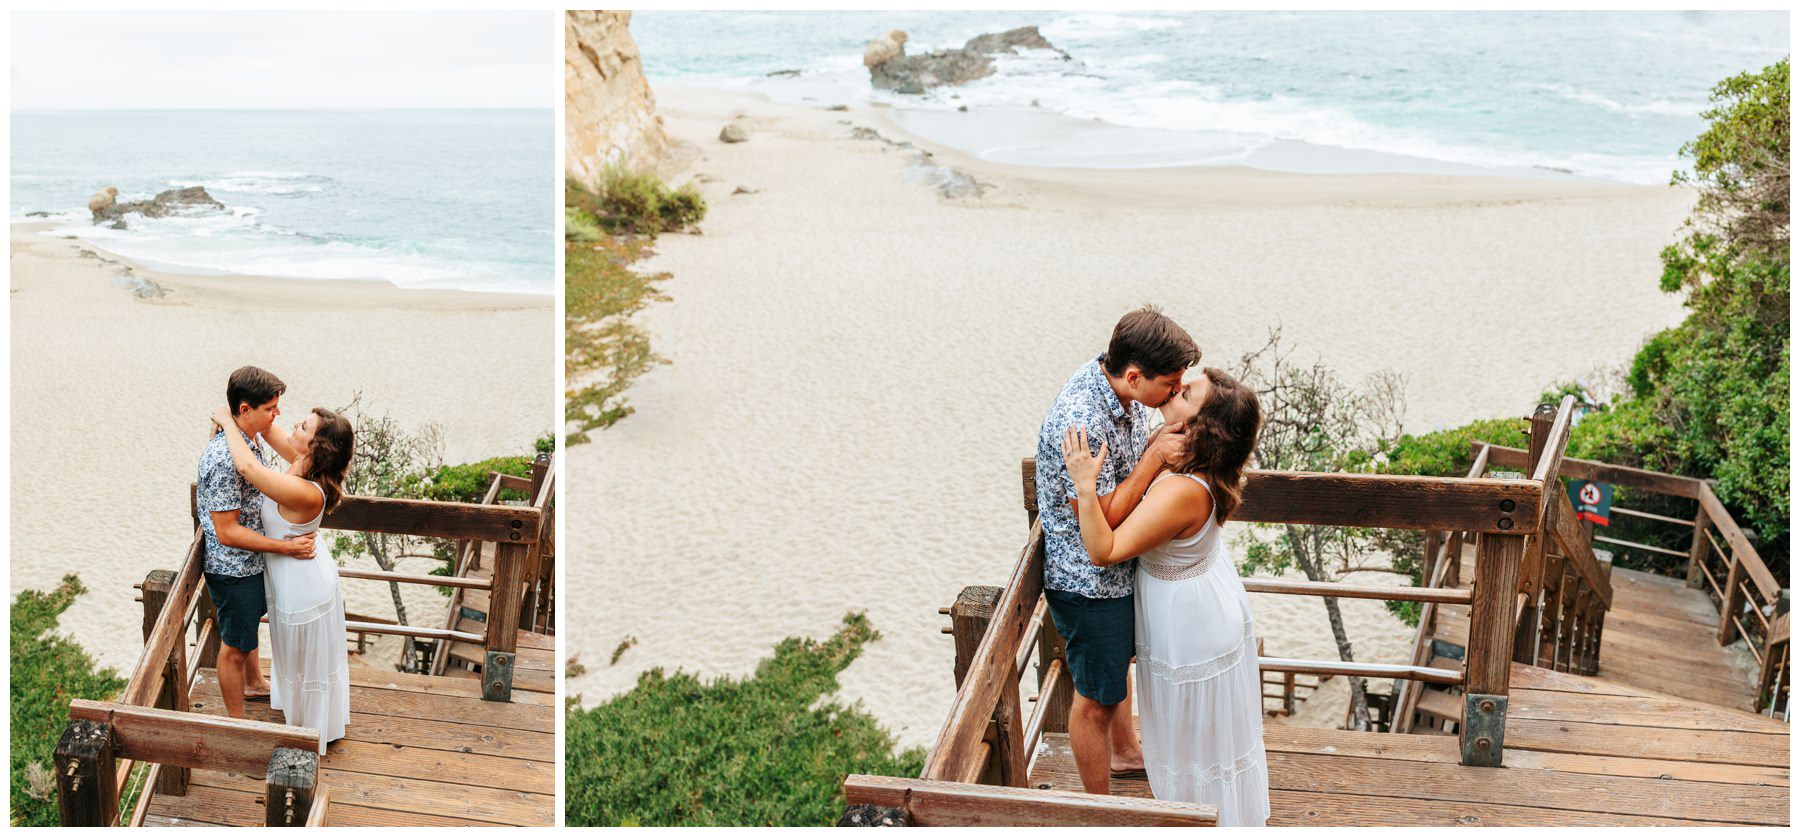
[[859, 364], [111, 392]]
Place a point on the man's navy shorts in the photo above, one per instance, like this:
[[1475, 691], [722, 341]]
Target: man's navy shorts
[[1099, 638], [242, 605]]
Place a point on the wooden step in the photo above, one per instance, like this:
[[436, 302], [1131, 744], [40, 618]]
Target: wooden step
[[1442, 704]]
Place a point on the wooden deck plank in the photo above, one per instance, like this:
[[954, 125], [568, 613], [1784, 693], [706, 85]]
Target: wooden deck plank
[[1443, 749], [206, 805], [414, 732], [1300, 808], [1719, 747], [400, 798], [381, 701], [1636, 711]]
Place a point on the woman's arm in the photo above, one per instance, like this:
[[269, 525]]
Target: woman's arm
[[285, 489], [282, 443], [1164, 512]]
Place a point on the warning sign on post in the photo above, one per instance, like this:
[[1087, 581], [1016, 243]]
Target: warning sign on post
[[1592, 500]]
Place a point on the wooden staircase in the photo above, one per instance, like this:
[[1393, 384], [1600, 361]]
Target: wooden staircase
[[1660, 639], [534, 670]]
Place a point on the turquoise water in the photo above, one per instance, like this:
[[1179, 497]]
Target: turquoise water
[[422, 198], [1610, 95]]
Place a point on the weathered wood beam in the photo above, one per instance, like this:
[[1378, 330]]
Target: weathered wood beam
[[1385, 501], [147, 676], [933, 803], [1488, 661], [1295, 587], [85, 764], [174, 693], [1500, 456], [430, 518], [191, 739], [975, 700]]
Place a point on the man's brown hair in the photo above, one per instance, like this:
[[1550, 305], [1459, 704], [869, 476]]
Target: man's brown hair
[[1151, 341], [253, 386]]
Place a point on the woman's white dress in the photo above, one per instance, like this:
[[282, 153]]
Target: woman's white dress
[[1199, 690], [309, 655]]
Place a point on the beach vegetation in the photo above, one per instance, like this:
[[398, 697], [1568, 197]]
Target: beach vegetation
[[48, 670], [607, 230], [770, 749]]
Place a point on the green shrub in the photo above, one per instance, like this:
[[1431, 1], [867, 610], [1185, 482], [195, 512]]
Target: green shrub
[[630, 203], [48, 670], [767, 750]]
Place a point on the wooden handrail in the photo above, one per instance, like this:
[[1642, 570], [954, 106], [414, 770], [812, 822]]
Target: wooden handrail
[[935, 803], [192, 739], [1579, 552], [435, 519], [1356, 591], [146, 677], [1424, 674], [1501, 456], [1741, 550], [321, 800], [962, 732], [417, 578], [1385, 501]]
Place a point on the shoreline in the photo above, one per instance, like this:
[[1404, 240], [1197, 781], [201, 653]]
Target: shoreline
[[274, 290], [97, 346]]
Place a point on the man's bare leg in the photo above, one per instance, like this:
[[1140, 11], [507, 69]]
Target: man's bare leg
[[1090, 737], [231, 679], [1127, 752], [255, 684]]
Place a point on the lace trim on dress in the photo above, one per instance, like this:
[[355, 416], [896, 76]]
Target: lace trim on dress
[[313, 685], [1167, 573], [1196, 672], [1210, 774], [307, 614]]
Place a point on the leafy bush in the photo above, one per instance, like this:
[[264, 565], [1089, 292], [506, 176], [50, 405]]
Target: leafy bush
[[631, 203], [767, 750], [48, 670]]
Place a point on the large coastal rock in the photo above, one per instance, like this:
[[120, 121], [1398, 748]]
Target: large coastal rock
[[890, 68], [183, 201], [609, 112]]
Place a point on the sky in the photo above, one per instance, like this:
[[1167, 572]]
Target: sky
[[435, 59]]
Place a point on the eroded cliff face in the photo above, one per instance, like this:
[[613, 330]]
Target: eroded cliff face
[[610, 114]]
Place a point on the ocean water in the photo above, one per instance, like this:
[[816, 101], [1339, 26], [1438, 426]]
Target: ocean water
[[459, 199], [1607, 95]]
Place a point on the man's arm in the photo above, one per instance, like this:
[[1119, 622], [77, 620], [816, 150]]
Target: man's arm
[[1118, 504], [234, 534]]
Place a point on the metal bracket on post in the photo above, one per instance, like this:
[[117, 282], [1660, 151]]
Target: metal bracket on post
[[1483, 729], [293, 779], [497, 676]]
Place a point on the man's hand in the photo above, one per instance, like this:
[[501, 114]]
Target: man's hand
[[1167, 446], [301, 547]]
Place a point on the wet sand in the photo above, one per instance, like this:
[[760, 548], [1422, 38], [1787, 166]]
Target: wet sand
[[859, 364], [111, 393]]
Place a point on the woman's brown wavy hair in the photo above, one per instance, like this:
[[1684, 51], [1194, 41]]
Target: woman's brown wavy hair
[[1221, 438], [334, 442]]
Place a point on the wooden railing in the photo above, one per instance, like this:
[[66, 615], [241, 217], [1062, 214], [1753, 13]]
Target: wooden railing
[[537, 604], [151, 720], [988, 740], [1721, 559]]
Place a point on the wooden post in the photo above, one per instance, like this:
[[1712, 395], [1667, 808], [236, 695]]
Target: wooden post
[[87, 792], [1697, 551], [1489, 656], [1050, 649], [1434, 541], [969, 620], [170, 779], [209, 650], [1531, 568], [503, 621], [293, 777], [1731, 600]]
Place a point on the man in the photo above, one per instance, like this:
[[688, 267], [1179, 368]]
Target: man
[[231, 517], [1112, 396]]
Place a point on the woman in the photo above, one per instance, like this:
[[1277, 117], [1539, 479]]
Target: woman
[[1199, 689], [309, 655]]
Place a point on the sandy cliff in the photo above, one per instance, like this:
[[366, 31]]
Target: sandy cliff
[[610, 111]]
